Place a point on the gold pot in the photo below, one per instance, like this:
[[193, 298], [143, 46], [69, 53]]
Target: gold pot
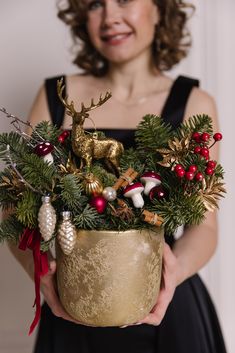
[[111, 278]]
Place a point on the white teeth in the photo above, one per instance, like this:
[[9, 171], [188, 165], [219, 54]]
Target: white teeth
[[117, 37]]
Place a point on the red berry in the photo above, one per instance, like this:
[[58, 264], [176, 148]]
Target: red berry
[[218, 136], [205, 137], [209, 171], [198, 176], [180, 173], [178, 167], [204, 152], [189, 175], [197, 149], [196, 136], [65, 133], [192, 168], [211, 164]]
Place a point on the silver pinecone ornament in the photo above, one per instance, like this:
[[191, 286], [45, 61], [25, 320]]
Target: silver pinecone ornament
[[46, 218], [66, 233]]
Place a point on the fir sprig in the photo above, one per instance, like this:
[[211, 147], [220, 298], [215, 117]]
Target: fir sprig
[[27, 209], [196, 123], [88, 219], [152, 133], [11, 229], [71, 192]]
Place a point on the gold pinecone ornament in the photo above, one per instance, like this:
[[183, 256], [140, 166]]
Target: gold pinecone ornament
[[66, 233], [47, 218]]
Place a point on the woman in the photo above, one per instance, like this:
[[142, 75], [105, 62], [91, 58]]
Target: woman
[[126, 47]]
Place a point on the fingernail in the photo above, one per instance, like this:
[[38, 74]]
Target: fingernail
[[123, 326], [138, 323]]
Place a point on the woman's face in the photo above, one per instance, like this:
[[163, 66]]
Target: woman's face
[[120, 30]]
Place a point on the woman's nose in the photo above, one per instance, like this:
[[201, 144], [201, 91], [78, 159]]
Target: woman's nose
[[111, 14]]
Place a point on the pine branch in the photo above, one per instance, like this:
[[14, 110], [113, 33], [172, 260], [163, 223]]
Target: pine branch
[[27, 209], [197, 123], [106, 178], [71, 191], [88, 219], [131, 159], [38, 172], [179, 210], [152, 133], [46, 131], [10, 229]]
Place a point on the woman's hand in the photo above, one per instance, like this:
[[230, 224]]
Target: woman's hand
[[169, 282], [49, 290]]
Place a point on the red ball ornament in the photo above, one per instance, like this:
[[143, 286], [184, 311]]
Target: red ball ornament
[[199, 176], [99, 203], [211, 164], [209, 171], [217, 136], [192, 168], [197, 149], [178, 167], [180, 173], [157, 193], [205, 137], [204, 152], [63, 136], [189, 175], [196, 136]]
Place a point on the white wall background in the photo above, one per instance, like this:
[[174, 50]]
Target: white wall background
[[35, 45]]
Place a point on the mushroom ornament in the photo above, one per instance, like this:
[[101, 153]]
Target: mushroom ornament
[[44, 149], [134, 191], [150, 179]]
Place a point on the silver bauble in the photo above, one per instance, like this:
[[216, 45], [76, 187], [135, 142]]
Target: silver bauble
[[66, 233], [109, 193], [46, 218]]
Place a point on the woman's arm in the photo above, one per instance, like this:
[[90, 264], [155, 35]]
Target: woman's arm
[[198, 243]]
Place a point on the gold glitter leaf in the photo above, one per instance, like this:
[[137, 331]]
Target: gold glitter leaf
[[211, 192]]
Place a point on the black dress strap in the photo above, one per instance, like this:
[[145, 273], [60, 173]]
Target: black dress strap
[[55, 106], [174, 108]]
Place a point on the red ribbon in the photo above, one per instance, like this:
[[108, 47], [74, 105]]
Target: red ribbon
[[31, 239]]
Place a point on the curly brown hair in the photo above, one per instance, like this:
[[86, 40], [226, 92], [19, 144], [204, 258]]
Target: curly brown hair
[[171, 43]]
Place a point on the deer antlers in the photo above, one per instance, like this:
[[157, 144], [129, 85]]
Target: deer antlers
[[84, 110]]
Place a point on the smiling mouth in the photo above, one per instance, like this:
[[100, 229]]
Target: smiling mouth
[[116, 38]]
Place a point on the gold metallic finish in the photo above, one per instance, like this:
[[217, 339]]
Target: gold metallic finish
[[111, 278], [90, 146], [92, 185]]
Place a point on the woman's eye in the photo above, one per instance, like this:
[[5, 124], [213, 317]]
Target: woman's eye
[[93, 5], [123, 2]]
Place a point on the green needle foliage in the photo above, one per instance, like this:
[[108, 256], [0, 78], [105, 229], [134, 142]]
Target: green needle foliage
[[158, 148], [152, 133]]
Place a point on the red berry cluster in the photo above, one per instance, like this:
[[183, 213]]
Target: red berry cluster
[[193, 173], [202, 143], [210, 167], [189, 174]]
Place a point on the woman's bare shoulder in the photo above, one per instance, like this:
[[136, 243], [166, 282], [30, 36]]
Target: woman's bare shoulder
[[39, 110], [200, 102]]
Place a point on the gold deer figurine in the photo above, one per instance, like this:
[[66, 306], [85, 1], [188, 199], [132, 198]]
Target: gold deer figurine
[[90, 146]]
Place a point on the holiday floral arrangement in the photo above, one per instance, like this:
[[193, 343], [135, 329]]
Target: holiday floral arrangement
[[56, 182]]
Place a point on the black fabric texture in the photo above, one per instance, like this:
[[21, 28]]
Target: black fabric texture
[[190, 324]]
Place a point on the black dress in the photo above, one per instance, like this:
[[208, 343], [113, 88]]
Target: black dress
[[190, 324]]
